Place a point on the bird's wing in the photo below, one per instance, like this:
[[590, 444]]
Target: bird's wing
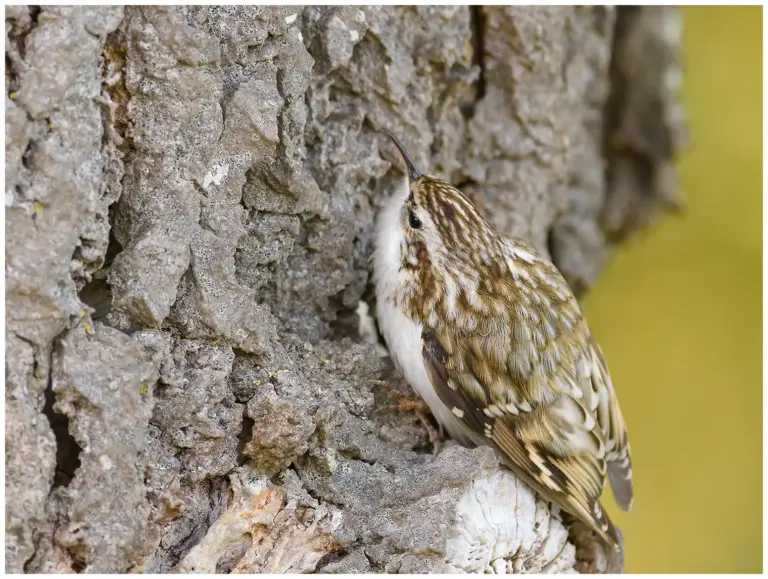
[[540, 415]]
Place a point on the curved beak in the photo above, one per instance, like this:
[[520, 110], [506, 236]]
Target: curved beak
[[413, 172]]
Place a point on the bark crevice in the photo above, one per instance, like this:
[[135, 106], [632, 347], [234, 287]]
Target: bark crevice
[[67, 449]]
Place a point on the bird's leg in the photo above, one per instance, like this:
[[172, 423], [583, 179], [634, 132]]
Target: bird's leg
[[415, 404]]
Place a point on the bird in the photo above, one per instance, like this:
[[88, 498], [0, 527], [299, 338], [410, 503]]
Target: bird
[[488, 333]]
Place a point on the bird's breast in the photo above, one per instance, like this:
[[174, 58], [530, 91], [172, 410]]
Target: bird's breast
[[403, 337], [402, 334]]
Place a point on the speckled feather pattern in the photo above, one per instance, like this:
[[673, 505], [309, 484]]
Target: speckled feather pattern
[[506, 349]]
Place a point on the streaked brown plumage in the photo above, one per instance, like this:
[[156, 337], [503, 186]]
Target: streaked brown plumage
[[505, 357]]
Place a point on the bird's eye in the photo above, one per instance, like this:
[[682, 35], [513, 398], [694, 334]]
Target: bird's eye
[[414, 221]]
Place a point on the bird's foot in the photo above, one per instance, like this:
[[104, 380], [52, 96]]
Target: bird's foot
[[435, 434], [415, 404]]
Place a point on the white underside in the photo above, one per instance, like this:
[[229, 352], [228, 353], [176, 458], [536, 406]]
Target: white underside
[[403, 335]]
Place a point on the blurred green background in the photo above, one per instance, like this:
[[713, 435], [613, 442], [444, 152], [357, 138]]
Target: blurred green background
[[678, 313]]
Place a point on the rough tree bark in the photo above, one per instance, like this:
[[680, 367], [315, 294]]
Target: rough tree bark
[[190, 193]]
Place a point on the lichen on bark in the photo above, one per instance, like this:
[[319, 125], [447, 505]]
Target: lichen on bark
[[190, 200]]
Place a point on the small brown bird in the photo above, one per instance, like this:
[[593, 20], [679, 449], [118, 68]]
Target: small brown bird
[[489, 334]]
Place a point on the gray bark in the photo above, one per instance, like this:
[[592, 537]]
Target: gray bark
[[190, 198]]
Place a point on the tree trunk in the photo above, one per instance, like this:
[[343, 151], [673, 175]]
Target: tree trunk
[[193, 382]]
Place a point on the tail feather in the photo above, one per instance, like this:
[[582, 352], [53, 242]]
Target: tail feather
[[620, 476]]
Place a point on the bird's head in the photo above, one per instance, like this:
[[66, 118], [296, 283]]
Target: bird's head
[[439, 224], [432, 237]]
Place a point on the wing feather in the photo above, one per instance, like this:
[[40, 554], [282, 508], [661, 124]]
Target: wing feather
[[555, 441]]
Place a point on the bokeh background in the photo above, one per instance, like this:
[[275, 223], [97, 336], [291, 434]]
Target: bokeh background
[[678, 313]]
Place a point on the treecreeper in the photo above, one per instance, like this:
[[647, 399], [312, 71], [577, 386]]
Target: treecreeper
[[487, 331]]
